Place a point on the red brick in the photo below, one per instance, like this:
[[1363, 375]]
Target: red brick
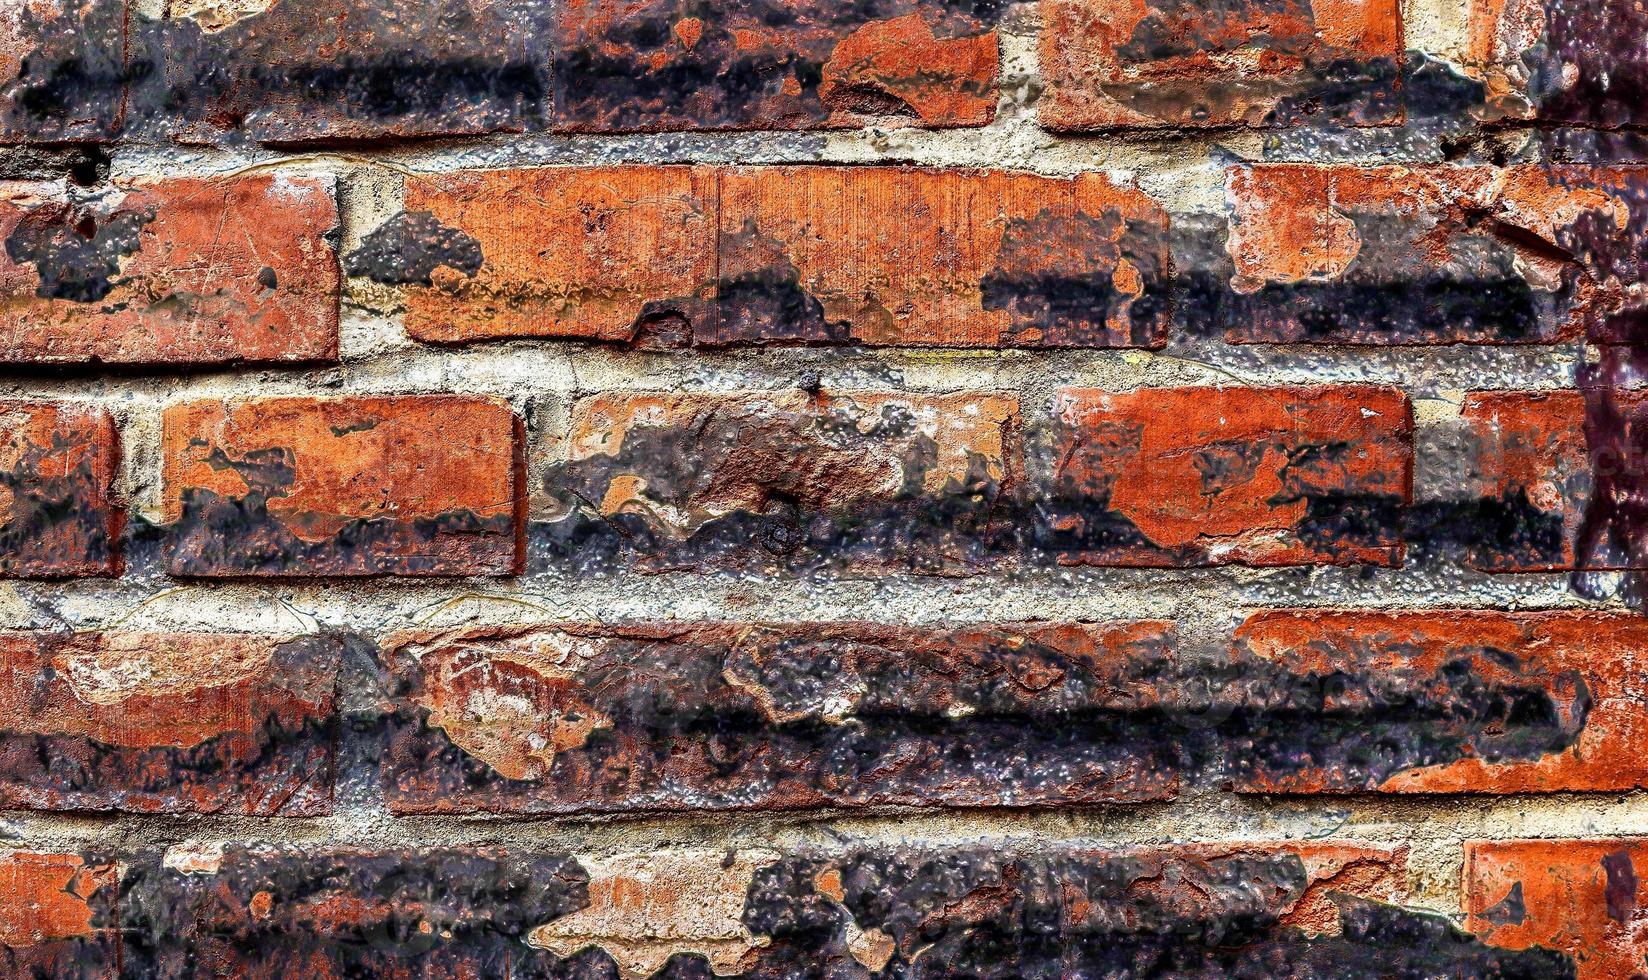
[[414, 485], [58, 516], [262, 913], [167, 722], [1472, 702], [728, 65], [602, 253], [1260, 476], [1397, 255], [893, 256], [875, 481], [1155, 63], [63, 65], [57, 916], [1579, 897], [1529, 479], [170, 272], [716, 716], [1579, 63]]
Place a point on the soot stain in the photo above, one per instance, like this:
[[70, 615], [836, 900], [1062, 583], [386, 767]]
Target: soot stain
[[1055, 277], [280, 913], [633, 72], [1588, 67], [71, 85], [408, 248], [76, 248], [760, 298], [55, 525], [859, 715], [279, 756]]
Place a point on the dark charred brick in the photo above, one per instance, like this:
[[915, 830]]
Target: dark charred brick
[[1387, 255], [1581, 898], [167, 722], [1194, 911], [1445, 702], [57, 917], [169, 271], [673, 64], [1265, 63], [63, 71], [408, 248], [603, 253], [733, 716], [301, 71], [788, 481], [415, 485], [1196, 476], [266, 913], [1579, 62], [896, 256], [58, 516]]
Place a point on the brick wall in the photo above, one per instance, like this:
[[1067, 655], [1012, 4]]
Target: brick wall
[[1073, 488]]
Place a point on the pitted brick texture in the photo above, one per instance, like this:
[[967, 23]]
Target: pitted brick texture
[[58, 515], [170, 272]]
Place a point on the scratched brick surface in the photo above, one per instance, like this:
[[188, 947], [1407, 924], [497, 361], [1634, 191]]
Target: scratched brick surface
[[724, 64], [58, 516], [1578, 897], [170, 271], [1445, 702], [1197, 476], [619, 254], [349, 486], [749, 716], [1158, 63], [57, 916], [873, 481], [173, 723]]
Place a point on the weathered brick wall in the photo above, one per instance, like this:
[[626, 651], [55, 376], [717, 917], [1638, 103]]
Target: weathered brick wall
[[942, 487]]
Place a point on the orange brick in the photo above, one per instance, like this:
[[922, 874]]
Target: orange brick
[[602, 253], [1581, 898], [57, 916], [1450, 702], [170, 272], [890, 256], [408, 485]]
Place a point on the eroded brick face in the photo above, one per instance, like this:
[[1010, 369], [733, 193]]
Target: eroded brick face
[[619, 254], [1448, 702], [167, 722], [1559, 61], [57, 916], [970, 259], [1578, 897], [350, 486], [170, 272], [58, 515], [1157, 63], [749, 716], [1198, 476], [669, 64], [672, 256], [872, 481]]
